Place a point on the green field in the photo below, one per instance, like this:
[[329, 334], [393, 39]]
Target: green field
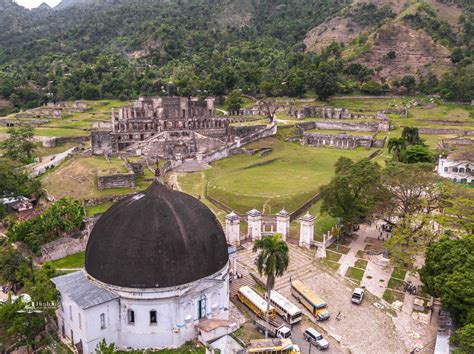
[[77, 178], [285, 178], [72, 261]]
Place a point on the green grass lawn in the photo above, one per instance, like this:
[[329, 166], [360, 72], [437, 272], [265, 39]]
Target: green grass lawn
[[360, 254], [333, 256], [399, 273], [72, 261], [391, 296], [360, 263], [285, 178], [355, 273], [55, 132], [77, 176], [99, 208], [339, 248], [395, 284], [332, 265], [41, 151]]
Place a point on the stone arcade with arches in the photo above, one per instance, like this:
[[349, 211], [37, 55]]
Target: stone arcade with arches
[[157, 268]]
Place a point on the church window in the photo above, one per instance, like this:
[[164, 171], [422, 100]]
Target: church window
[[455, 169], [464, 180], [102, 321], [80, 321], [152, 317], [131, 316], [70, 312], [445, 169], [461, 170]]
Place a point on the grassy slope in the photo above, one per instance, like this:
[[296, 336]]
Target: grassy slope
[[294, 174], [77, 178]]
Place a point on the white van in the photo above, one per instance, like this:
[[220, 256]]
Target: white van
[[314, 337]]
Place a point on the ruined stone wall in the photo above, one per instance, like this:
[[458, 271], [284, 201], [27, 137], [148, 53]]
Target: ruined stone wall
[[339, 141], [450, 144], [246, 130], [326, 112], [102, 142], [18, 123], [66, 246], [334, 125], [121, 180]]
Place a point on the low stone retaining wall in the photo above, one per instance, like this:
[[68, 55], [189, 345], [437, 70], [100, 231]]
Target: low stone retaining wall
[[121, 180]]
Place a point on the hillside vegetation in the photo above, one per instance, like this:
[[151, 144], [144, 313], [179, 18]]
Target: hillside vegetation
[[92, 49]]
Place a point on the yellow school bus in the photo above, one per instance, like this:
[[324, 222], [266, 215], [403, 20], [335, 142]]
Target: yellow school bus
[[310, 300], [275, 346], [255, 302]]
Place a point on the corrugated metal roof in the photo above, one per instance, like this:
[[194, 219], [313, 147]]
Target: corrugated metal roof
[[82, 291]]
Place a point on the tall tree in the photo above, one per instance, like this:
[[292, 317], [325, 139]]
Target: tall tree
[[18, 146], [234, 100], [395, 147], [457, 209], [411, 136], [272, 262], [354, 192], [324, 84], [14, 182], [416, 154], [411, 190], [448, 274]]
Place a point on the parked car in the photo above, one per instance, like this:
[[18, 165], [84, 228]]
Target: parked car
[[315, 338], [357, 295]]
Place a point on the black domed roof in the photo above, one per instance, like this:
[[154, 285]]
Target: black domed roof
[[159, 238]]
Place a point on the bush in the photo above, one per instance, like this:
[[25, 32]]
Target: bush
[[66, 215]]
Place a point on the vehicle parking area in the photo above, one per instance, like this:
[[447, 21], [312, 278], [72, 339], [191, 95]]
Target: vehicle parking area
[[362, 328]]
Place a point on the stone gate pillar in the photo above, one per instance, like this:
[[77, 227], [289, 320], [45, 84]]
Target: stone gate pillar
[[306, 230], [232, 229], [254, 220], [283, 224]]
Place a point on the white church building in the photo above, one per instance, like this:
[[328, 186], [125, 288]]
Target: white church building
[[156, 268], [458, 166]]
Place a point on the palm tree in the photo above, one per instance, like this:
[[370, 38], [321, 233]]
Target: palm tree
[[272, 262], [411, 136], [395, 146]]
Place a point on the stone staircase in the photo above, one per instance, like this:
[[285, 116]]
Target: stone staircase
[[300, 267], [245, 280]]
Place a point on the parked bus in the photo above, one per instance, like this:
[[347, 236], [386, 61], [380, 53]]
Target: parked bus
[[310, 300], [255, 302], [275, 346], [285, 308]]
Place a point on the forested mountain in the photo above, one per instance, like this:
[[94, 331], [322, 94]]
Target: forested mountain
[[122, 48]]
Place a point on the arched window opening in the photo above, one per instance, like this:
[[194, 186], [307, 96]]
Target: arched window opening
[[131, 316], [153, 319]]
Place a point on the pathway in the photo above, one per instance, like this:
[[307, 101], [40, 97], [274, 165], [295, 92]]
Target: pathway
[[349, 259]]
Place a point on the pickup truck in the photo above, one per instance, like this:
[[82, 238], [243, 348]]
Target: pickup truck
[[275, 329]]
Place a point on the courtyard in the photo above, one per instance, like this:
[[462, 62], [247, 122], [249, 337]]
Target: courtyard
[[365, 328]]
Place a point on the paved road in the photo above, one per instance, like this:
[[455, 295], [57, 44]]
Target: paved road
[[297, 337]]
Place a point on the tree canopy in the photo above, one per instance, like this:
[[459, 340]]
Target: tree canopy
[[354, 192]]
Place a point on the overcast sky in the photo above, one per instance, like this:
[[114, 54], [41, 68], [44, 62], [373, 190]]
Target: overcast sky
[[35, 3]]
